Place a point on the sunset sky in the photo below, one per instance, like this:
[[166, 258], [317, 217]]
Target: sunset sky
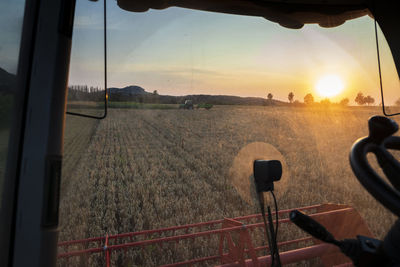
[[179, 51]]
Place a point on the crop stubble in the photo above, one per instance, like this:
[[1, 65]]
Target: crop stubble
[[146, 169]]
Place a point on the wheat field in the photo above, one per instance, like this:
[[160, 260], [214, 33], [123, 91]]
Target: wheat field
[[146, 169]]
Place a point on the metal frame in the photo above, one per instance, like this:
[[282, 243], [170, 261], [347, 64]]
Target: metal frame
[[235, 253], [29, 216], [13, 168]]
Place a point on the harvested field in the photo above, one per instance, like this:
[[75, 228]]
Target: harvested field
[[77, 137], [145, 169]]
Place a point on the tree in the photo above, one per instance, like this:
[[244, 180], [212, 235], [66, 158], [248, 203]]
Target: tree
[[360, 99], [369, 100], [155, 92], [291, 97], [308, 99], [140, 99], [270, 96], [325, 102], [344, 102]]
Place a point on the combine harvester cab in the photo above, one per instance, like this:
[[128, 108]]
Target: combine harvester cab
[[33, 158], [236, 241]]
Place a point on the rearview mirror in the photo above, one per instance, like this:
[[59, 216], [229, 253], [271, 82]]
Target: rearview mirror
[[85, 101]]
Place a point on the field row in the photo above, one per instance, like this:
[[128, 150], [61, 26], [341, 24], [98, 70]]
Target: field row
[[146, 169]]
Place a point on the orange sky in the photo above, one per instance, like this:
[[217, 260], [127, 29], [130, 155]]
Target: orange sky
[[178, 52]]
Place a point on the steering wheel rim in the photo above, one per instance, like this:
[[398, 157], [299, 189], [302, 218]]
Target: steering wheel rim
[[366, 175]]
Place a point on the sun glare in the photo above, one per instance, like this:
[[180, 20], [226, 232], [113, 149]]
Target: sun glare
[[329, 85]]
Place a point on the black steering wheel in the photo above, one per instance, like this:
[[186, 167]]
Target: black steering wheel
[[379, 140]]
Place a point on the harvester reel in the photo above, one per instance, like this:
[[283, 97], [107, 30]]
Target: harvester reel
[[380, 139]]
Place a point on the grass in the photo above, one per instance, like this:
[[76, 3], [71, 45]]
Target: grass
[[77, 137], [134, 105], [144, 169], [82, 105]]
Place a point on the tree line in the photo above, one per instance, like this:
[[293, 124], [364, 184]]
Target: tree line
[[85, 93], [309, 99], [90, 93]]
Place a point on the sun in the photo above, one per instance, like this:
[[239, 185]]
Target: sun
[[329, 85]]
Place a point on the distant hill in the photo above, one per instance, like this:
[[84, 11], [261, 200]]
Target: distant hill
[[232, 100], [128, 91], [138, 94], [7, 81]]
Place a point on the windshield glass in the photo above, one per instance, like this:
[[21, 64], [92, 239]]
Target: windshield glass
[[10, 38], [194, 98]]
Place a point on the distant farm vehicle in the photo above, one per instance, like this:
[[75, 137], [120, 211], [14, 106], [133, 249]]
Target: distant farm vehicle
[[188, 105], [206, 106]]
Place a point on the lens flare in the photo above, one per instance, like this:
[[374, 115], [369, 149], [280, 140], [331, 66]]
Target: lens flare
[[329, 85], [241, 171]]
